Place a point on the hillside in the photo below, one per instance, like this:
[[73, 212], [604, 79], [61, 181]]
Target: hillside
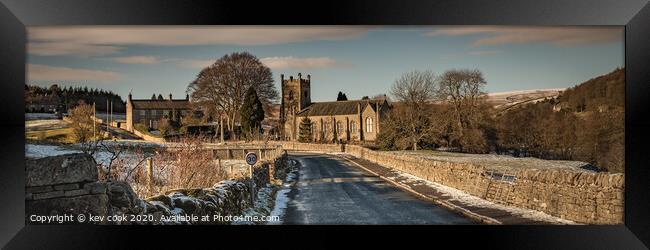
[[506, 100], [584, 123], [602, 92]]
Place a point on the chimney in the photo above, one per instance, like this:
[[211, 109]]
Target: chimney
[[130, 97], [187, 97], [299, 75], [153, 97], [308, 77], [291, 78], [281, 78], [170, 96]]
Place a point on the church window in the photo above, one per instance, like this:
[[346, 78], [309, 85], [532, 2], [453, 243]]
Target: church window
[[369, 125], [339, 128]]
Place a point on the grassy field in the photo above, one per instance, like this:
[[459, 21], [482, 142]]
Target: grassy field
[[51, 132], [58, 135]]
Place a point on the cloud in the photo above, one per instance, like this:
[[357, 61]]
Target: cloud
[[290, 62], [137, 59], [484, 52], [51, 73], [559, 36], [68, 48], [110, 39], [286, 62], [195, 63]]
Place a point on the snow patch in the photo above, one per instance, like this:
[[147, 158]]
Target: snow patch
[[281, 201], [39, 116], [40, 151], [496, 162], [41, 124], [281, 197]]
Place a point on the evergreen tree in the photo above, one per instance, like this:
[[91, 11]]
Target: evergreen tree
[[341, 97], [252, 112], [304, 133]]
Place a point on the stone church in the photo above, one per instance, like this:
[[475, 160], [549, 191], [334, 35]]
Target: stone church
[[353, 120]]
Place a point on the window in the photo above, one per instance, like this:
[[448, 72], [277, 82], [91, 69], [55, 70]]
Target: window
[[143, 112], [369, 125], [339, 128], [353, 127]]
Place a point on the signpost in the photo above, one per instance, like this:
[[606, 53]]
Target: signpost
[[251, 159]]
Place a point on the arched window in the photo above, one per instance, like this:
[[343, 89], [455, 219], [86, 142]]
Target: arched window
[[353, 127], [339, 128], [369, 125]]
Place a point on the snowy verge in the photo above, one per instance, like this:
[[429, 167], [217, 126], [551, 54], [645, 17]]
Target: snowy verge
[[261, 208], [281, 197], [452, 194], [470, 200]]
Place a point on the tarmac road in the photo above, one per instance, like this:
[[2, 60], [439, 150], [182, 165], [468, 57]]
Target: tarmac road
[[331, 190]]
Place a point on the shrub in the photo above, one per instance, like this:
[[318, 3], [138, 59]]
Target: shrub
[[305, 134]]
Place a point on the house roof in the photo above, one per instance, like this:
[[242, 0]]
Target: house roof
[[336, 108], [160, 104]]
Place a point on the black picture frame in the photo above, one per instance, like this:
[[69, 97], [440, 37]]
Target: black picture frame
[[633, 14]]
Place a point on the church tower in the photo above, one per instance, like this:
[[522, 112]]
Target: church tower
[[296, 95]]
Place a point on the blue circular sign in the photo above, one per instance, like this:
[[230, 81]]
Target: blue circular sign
[[251, 158]]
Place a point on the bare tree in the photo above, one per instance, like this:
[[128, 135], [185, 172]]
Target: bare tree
[[414, 90], [463, 89], [84, 127], [221, 87]]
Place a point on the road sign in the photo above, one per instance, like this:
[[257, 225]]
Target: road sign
[[251, 158]]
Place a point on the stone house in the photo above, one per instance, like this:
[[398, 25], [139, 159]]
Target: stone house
[[151, 111], [353, 120], [42, 103]]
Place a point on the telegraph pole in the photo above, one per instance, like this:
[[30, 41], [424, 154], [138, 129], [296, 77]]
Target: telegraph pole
[[110, 121], [221, 127], [94, 116]]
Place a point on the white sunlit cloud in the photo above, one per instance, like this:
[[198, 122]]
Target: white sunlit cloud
[[137, 59], [559, 36], [104, 40], [70, 48], [286, 62], [195, 63], [36, 72], [290, 62]]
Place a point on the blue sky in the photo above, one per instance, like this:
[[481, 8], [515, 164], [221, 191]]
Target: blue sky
[[358, 60]]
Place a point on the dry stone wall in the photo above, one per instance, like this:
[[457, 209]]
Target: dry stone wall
[[583, 197], [64, 185], [68, 184]]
